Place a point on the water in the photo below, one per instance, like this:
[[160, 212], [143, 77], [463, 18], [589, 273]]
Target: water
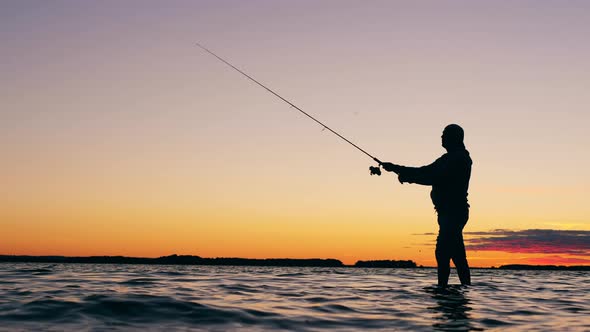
[[58, 297]]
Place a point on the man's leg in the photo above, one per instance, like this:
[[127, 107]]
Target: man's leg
[[460, 258], [443, 257], [460, 261], [463, 270], [444, 270]]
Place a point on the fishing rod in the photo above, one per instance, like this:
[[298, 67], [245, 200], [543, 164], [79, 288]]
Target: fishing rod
[[373, 170]]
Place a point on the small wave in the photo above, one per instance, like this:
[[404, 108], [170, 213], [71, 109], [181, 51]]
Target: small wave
[[494, 322], [288, 294], [149, 308], [36, 271], [243, 288], [171, 273], [575, 310], [525, 312], [298, 274], [45, 309], [259, 313], [318, 299], [139, 282], [188, 280], [333, 308], [133, 308]]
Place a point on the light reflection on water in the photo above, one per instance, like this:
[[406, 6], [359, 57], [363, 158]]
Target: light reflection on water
[[126, 297]]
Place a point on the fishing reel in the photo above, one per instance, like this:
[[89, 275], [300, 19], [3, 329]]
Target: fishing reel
[[375, 170]]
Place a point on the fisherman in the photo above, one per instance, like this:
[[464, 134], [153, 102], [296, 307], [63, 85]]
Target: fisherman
[[449, 177]]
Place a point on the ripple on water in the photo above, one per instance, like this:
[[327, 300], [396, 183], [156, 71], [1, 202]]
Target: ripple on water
[[38, 271], [333, 308], [140, 282]]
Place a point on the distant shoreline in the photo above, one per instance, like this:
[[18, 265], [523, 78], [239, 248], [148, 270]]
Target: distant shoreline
[[197, 260], [276, 262]]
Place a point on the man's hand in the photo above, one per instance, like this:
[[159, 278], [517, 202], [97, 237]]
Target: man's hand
[[391, 167]]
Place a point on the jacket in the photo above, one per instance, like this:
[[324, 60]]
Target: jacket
[[449, 177]]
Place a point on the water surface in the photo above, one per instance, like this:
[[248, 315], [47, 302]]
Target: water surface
[[97, 297]]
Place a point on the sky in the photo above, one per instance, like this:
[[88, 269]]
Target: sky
[[120, 137]]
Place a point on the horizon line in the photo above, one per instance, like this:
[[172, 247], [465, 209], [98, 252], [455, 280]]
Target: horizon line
[[280, 258]]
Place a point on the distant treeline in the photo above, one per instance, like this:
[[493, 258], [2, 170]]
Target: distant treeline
[[545, 267], [175, 260], [386, 263], [197, 260]]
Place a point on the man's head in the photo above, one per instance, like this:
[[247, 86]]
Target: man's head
[[452, 136]]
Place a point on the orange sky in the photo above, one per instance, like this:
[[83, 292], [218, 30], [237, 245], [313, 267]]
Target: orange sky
[[120, 137]]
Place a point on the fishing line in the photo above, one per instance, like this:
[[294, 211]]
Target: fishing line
[[374, 170]]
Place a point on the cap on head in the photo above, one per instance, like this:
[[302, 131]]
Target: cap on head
[[453, 135]]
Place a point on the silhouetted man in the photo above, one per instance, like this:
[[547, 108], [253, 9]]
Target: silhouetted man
[[449, 177]]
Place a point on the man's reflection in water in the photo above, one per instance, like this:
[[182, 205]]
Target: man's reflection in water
[[452, 307]]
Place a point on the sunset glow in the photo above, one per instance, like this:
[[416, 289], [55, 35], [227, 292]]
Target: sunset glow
[[120, 137]]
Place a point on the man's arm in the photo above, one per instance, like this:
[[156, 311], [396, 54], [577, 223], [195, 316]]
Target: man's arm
[[425, 175]]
